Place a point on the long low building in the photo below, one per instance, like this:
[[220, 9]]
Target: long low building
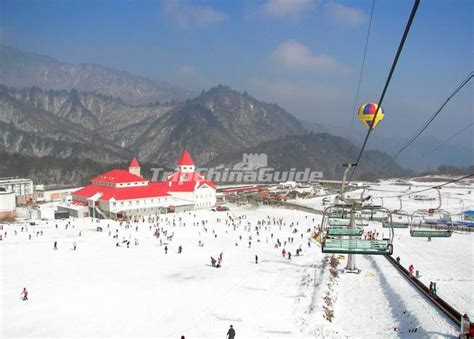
[[53, 193], [120, 193]]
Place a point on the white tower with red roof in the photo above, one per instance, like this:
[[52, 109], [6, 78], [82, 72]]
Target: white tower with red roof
[[188, 185], [186, 163], [134, 167]]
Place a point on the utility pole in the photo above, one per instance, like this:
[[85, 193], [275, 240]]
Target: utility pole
[[351, 260]]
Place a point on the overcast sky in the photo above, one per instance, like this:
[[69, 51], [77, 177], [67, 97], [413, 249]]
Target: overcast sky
[[304, 55]]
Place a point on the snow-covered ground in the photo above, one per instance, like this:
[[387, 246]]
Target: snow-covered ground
[[446, 261], [101, 290]]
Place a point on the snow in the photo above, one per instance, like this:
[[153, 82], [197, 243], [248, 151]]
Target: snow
[[101, 290]]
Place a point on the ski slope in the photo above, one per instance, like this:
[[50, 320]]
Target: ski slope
[[101, 290]]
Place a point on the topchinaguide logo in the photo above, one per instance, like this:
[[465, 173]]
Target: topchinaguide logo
[[253, 168]]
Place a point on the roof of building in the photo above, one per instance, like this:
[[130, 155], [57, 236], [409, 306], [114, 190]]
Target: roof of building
[[186, 182], [469, 212], [134, 163], [185, 159], [152, 190], [118, 176], [56, 188]]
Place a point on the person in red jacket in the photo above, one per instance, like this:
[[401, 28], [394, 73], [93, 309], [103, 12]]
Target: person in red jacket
[[283, 253], [24, 294], [411, 269]]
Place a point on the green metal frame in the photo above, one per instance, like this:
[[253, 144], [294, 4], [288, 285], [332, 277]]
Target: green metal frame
[[357, 246], [334, 215], [344, 231], [379, 219], [337, 223], [424, 231], [386, 224], [431, 233]]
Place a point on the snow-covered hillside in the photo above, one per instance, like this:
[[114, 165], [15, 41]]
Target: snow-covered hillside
[[101, 290]]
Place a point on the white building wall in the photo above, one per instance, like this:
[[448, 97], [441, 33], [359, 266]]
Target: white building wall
[[7, 201], [183, 195], [205, 197]]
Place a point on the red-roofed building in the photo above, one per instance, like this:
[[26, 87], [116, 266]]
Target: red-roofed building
[[186, 161], [119, 193], [134, 167]]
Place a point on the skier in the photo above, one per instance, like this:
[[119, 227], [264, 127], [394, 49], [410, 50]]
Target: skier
[[398, 260], [180, 249], [283, 253], [231, 333], [289, 255], [24, 294], [55, 245], [431, 287], [434, 289], [256, 259], [74, 245], [213, 262], [166, 249]]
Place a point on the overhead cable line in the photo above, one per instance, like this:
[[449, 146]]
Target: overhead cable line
[[426, 124], [361, 70], [431, 188], [449, 139], [387, 82]]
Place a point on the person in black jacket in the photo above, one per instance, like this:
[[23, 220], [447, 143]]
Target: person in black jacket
[[231, 332]]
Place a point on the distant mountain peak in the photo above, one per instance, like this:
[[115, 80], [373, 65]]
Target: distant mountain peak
[[22, 69]]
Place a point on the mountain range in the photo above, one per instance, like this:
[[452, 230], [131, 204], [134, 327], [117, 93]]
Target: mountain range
[[22, 69], [48, 110]]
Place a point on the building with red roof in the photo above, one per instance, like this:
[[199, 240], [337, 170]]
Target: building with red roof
[[189, 185], [120, 193]]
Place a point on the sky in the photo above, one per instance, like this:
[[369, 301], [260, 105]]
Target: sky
[[304, 55]]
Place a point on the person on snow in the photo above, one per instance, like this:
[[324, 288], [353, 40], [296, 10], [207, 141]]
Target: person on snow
[[166, 249], [74, 245], [465, 325], [283, 253], [24, 294], [180, 249], [55, 245], [213, 262], [411, 269], [289, 255], [256, 259], [231, 333]]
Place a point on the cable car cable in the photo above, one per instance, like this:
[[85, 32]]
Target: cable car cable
[[430, 188], [387, 82], [425, 126], [449, 139], [361, 70]]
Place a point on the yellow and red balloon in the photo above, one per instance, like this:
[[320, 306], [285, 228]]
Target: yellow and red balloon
[[367, 112]]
